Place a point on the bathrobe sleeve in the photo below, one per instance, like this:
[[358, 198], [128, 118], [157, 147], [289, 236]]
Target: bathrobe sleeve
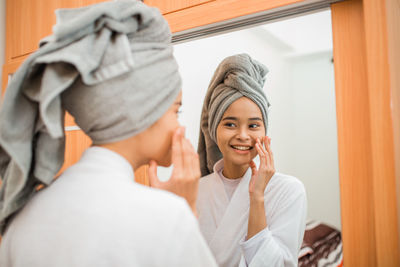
[[279, 243]]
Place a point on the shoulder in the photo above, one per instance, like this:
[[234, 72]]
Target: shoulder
[[288, 182], [207, 182], [208, 178], [173, 224], [163, 204], [108, 204], [287, 186]]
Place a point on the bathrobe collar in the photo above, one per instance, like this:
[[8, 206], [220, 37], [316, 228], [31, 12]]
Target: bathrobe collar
[[107, 159], [233, 214]]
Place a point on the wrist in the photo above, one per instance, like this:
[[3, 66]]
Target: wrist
[[256, 198]]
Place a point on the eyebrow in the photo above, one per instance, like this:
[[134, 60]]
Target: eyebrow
[[255, 119], [179, 103], [235, 119], [230, 118]]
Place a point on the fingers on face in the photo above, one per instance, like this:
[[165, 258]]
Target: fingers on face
[[267, 141], [177, 159], [152, 171], [266, 150], [188, 158], [261, 152], [253, 168], [196, 164], [196, 168], [260, 142], [195, 161], [184, 157]]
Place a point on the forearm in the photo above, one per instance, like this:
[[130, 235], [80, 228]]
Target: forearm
[[257, 220]]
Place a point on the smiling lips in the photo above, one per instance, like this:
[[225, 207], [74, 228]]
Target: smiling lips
[[242, 149]]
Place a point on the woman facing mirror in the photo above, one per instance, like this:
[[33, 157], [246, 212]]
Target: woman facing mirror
[[100, 64], [249, 215]]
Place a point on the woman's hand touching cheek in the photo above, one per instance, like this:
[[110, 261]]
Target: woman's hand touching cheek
[[261, 177], [185, 176]]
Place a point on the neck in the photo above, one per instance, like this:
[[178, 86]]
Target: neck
[[233, 171], [127, 149]]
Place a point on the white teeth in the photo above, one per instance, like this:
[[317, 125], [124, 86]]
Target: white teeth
[[241, 147]]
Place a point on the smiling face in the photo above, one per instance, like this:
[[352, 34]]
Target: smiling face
[[237, 132]]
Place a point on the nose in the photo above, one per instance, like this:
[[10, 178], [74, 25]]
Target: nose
[[243, 134]]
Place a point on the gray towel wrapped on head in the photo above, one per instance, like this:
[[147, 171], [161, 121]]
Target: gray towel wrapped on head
[[110, 65], [236, 76]]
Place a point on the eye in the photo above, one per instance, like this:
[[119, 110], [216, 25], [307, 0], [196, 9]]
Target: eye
[[179, 111], [229, 124], [254, 126]]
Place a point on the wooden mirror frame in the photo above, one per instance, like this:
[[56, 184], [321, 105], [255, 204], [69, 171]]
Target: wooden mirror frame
[[365, 93]]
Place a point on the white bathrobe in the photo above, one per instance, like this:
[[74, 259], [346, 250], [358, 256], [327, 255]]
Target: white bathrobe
[[224, 222], [94, 214]]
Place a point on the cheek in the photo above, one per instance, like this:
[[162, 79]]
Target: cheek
[[259, 134], [223, 135], [222, 139], [168, 134], [168, 129]]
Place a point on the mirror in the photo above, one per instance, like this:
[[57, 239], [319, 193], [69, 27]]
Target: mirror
[[300, 87]]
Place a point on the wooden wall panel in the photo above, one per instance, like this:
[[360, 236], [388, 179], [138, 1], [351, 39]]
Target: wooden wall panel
[[31, 21], [28, 21], [220, 10], [69, 120], [141, 175], [354, 150], [393, 24], [174, 5], [365, 134], [382, 139]]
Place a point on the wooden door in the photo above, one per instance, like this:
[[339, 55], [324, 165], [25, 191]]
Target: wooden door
[[365, 132], [175, 5], [28, 21]]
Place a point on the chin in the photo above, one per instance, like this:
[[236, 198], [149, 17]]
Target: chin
[[165, 161], [164, 164], [242, 160]]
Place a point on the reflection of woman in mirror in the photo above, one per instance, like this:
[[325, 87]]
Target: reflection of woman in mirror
[[249, 215]]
